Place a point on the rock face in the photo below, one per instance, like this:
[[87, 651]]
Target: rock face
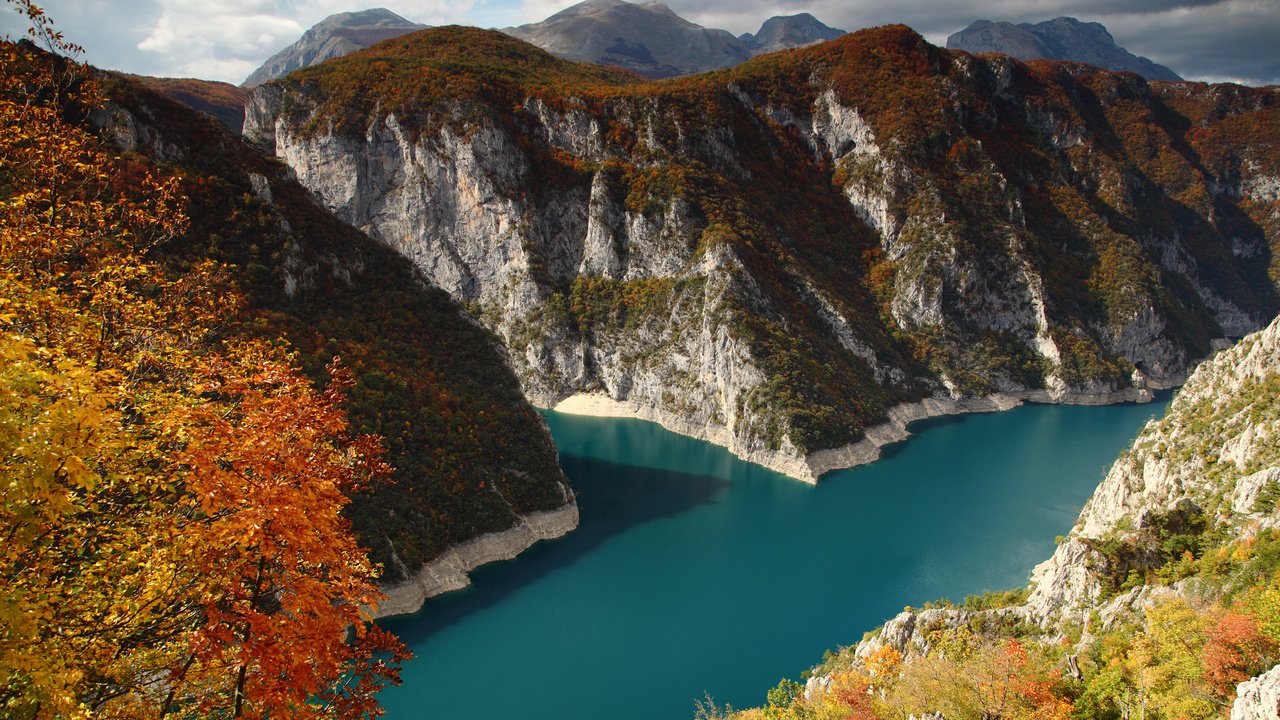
[[1217, 448], [1217, 438], [1259, 698], [333, 37], [796, 269], [1062, 38], [647, 38], [782, 32]]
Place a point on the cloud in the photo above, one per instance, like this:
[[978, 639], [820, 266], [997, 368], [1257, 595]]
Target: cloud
[[98, 25], [211, 39], [226, 39], [1231, 41]]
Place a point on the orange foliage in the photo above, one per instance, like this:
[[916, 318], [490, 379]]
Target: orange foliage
[[1234, 651], [173, 506]]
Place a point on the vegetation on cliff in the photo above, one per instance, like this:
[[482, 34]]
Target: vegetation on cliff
[[221, 100], [902, 220], [1180, 601]]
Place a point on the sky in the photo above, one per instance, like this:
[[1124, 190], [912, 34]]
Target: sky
[[1211, 40]]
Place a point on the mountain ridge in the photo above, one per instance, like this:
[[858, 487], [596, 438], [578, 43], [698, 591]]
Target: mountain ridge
[[774, 256], [648, 38], [1063, 38], [783, 32]]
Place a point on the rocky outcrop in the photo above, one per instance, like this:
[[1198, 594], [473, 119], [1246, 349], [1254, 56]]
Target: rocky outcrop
[[798, 277], [448, 571], [1259, 698], [1062, 38], [1215, 447], [1209, 443]]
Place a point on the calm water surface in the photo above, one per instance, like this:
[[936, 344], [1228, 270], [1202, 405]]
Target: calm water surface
[[694, 572]]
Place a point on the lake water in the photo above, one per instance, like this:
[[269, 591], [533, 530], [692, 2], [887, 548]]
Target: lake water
[[693, 572]]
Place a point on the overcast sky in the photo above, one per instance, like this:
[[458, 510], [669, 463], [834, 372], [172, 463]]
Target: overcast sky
[[1234, 40]]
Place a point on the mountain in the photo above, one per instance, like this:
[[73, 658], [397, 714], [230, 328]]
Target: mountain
[[798, 256], [1164, 597], [332, 37], [647, 38], [476, 473], [1063, 38], [782, 32], [222, 100]]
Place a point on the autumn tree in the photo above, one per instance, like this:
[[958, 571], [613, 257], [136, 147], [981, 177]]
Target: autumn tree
[[987, 680], [1234, 651], [174, 543]]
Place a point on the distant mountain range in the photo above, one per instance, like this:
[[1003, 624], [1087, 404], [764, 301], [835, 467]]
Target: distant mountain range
[[1062, 38], [333, 37], [647, 38], [650, 39]]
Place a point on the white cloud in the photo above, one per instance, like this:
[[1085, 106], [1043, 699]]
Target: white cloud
[[211, 39]]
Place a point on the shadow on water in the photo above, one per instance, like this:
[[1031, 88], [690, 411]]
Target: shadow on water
[[612, 498]]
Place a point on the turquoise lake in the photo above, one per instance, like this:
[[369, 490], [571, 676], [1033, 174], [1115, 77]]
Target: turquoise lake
[[693, 572]]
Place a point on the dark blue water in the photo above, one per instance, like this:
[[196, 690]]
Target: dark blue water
[[694, 572]]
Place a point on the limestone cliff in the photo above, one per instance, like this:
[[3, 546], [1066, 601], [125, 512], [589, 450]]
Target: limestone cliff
[[1212, 455], [775, 257], [1209, 469]]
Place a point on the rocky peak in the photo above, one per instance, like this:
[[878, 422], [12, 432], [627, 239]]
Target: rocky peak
[[648, 38], [781, 32], [333, 37], [1063, 38]]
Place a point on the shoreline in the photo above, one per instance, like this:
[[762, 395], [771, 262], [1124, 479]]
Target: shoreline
[[450, 570], [810, 468]]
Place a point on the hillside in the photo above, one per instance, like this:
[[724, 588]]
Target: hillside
[[1062, 38], [797, 256], [222, 100], [1164, 598], [471, 456]]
